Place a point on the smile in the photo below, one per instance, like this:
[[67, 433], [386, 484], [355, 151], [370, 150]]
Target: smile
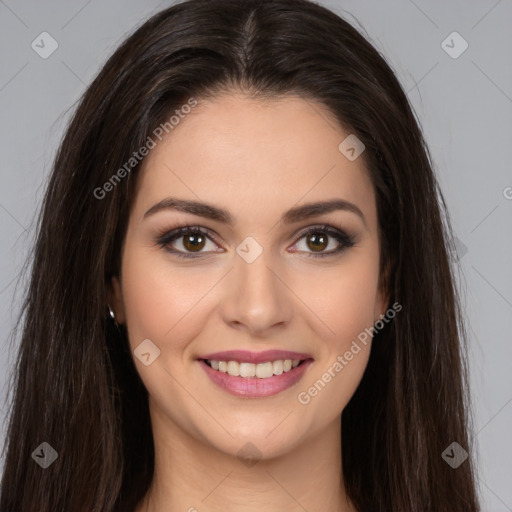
[[261, 370], [252, 375]]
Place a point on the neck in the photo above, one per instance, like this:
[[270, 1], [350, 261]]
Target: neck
[[191, 475]]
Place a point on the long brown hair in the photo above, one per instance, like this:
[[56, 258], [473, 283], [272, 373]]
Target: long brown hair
[[75, 385]]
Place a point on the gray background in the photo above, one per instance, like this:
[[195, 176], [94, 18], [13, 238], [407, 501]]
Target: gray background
[[464, 106]]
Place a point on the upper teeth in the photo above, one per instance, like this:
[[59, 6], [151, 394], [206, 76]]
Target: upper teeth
[[260, 370]]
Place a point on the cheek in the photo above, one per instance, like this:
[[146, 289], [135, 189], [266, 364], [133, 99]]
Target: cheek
[[345, 302], [353, 311], [162, 303], [345, 299]]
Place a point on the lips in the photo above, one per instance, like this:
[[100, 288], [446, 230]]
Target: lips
[[253, 387]]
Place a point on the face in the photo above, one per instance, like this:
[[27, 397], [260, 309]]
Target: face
[[257, 271]]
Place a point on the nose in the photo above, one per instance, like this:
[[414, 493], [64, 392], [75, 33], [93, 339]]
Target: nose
[[256, 297]]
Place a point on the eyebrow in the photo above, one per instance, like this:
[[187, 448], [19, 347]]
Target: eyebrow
[[295, 214]]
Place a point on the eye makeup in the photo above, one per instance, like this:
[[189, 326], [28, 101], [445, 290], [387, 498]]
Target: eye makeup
[[166, 238]]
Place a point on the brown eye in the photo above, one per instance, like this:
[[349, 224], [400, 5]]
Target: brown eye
[[319, 238], [317, 241], [194, 242], [187, 242]]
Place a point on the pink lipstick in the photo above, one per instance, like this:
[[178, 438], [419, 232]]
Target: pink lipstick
[[255, 374]]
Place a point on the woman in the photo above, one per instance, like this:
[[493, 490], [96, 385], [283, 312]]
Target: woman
[[241, 293]]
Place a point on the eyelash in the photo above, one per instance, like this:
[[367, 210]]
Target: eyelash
[[164, 239]]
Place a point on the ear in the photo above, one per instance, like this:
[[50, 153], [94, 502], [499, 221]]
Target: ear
[[115, 295]]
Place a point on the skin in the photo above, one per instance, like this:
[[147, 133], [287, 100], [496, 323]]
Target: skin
[[255, 159]]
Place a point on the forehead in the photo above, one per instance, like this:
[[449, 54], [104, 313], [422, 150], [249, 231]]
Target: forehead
[[250, 155]]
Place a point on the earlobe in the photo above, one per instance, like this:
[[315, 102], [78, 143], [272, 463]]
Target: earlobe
[[116, 300]]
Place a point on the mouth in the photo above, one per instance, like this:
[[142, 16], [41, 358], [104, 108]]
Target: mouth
[[263, 370], [252, 380]]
